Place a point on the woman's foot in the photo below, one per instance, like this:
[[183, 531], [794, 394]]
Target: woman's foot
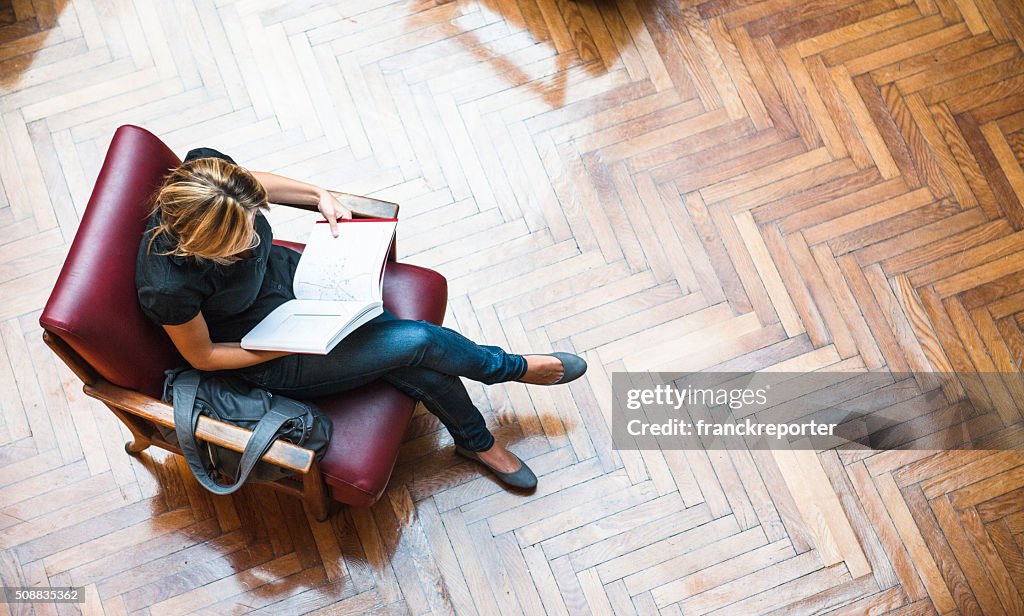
[[542, 370], [553, 369], [505, 465], [501, 459]]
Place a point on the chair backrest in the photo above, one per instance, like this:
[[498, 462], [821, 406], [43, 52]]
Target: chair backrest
[[93, 306]]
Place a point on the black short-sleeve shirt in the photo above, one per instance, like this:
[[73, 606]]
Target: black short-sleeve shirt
[[233, 298]]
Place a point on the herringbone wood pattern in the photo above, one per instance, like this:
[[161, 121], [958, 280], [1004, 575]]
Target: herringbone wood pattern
[[681, 185]]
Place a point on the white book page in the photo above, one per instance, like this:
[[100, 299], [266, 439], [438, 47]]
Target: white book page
[[343, 268]]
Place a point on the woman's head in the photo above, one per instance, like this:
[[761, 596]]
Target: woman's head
[[207, 207]]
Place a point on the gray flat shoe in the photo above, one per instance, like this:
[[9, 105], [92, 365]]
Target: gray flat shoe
[[573, 367], [522, 478]]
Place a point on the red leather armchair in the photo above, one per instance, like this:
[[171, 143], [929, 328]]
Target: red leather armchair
[[92, 320]]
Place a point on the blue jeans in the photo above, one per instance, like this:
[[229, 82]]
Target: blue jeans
[[418, 358]]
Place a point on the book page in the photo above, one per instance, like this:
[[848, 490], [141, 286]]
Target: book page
[[300, 326], [343, 268], [304, 326]]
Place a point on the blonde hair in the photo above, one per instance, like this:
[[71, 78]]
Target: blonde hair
[[205, 207]]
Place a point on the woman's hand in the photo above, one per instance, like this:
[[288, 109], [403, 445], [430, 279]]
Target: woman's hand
[[286, 190], [332, 210]]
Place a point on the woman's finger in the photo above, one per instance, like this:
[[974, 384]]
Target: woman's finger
[[332, 219]]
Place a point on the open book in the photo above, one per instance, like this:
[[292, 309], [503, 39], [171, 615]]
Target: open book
[[337, 288]]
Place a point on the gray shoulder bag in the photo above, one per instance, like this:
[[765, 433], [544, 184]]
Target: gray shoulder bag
[[231, 400]]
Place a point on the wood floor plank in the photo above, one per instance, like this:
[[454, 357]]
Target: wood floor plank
[[903, 519]]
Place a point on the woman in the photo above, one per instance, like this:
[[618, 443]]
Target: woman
[[207, 272]]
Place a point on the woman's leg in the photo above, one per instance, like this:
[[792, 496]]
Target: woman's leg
[[446, 398], [406, 354], [380, 346]]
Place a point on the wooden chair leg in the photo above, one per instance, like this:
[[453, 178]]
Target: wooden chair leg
[[138, 428], [135, 447], [314, 494]]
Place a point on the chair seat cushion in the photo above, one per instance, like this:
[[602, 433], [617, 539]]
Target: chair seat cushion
[[370, 421], [369, 425]]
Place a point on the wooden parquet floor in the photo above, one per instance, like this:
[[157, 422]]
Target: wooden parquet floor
[[657, 185]]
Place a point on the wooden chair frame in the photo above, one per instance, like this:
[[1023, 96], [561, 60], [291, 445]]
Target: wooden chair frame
[[139, 412]]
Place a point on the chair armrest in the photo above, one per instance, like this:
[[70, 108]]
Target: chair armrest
[[362, 207], [281, 453]]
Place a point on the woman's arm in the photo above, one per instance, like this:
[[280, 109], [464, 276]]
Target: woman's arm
[[192, 340], [286, 190]]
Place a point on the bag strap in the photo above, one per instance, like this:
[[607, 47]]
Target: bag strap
[[186, 418], [264, 435]]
